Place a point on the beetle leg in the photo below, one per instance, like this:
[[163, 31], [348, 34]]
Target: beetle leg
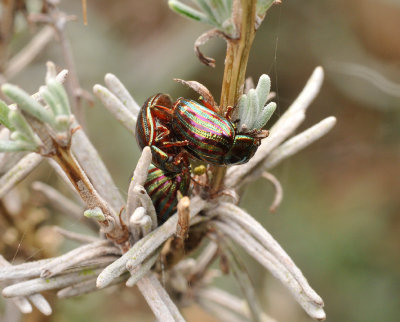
[[175, 144], [228, 112], [181, 157], [162, 132], [162, 112]]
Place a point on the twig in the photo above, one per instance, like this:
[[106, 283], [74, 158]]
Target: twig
[[237, 55], [182, 228], [278, 190]]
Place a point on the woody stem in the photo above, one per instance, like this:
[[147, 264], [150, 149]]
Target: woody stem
[[237, 55]]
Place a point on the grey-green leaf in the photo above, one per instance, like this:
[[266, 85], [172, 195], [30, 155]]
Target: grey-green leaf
[[15, 146], [28, 104], [263, 88], [4, 115], [188, 12], [58, 91], [264, 116], [51, 100], [19, 122], [252, 108], [263, 6]]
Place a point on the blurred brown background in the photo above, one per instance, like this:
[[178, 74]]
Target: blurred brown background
[[340, 217]]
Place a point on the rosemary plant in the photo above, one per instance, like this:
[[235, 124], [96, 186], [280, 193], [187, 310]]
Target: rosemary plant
[[131, 247]]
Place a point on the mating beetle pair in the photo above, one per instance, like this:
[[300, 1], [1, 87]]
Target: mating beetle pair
[[183, 130], [187, 128]]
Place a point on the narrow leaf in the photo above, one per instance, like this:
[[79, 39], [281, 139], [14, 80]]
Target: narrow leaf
[[263, 6], [262, 89], [51, 100], [265, 115], [95, 213], [27, 103], [15, 146], [188, 12], [60, 94], [206, 8], [4, 115], [252, 108], [242, 107], [19, 122]]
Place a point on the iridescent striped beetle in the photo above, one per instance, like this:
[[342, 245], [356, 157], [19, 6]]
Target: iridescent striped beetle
[[150, 131], [163, 188], [209, 136]]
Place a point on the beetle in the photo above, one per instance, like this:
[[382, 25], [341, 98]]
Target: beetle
[[210, 137], [163, 188], [167, 153]]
